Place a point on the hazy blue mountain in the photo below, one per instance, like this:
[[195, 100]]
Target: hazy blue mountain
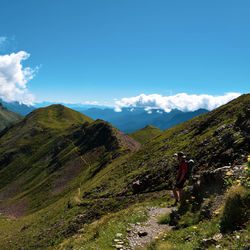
[[17, 107], [129, 120], [7, 117]]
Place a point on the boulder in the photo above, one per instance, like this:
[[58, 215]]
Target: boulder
[[142, 233], [174, 217], [118, 246], [217, 236], [208, 242]]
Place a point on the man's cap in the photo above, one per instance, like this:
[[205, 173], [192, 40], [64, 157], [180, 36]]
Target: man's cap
[[180, 154]]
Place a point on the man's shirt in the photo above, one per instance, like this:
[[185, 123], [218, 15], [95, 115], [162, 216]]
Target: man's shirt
[[183, 168]]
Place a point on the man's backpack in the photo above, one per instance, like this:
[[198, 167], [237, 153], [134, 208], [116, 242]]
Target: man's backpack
[[190, 165]]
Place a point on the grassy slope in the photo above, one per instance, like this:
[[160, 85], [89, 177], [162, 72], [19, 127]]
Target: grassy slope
[[32, 138], [197, 137], [44, 152], [7, 117], [146, 134]]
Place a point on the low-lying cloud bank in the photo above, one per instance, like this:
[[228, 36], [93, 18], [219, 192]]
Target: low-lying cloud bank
[[182, 101], [14, 78]]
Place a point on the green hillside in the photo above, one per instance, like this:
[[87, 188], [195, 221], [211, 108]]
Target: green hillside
[[62, 172], [42, 154], [7, 117], [146, 134]]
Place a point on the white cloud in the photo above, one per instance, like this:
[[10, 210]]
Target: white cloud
[[14, 78], [182, 101], [91, 103]]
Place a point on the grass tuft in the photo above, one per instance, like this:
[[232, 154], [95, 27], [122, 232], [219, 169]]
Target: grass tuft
[[164, 219]]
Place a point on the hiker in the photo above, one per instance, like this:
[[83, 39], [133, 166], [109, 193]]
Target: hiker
[[181, 177]]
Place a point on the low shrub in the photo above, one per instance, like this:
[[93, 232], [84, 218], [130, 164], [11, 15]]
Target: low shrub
[[189, 219], [235, 209]]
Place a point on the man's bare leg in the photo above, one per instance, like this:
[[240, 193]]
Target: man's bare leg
[[180, 194], [175, 194]]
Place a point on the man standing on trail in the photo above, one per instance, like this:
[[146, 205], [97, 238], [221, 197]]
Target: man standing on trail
[[181, 177]]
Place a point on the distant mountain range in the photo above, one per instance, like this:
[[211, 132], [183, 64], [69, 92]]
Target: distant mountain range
[[17, 107], [128, 120], [7, 117], [131, 119]]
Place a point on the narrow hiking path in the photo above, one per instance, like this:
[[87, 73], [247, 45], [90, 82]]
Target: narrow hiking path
[[141, 234], [77, 197]]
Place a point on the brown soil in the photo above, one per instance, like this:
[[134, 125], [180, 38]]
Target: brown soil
[[128, 142], [11, 190], [66, 175], [15, 209]]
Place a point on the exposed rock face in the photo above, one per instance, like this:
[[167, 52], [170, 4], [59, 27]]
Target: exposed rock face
[[208, 190], [215, 179]]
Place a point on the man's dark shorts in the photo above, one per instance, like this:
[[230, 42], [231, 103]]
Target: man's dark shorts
[[181, 184]]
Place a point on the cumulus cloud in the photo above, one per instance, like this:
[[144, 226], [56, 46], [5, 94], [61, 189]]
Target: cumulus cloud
[[182, 101], [14, 78]]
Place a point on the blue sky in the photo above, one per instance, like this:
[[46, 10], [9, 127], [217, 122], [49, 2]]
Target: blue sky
[[100, 50]]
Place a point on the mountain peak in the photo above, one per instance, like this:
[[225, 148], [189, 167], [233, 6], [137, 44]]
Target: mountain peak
[[145, 134], [57, 116], [149, 126], [103, 133]]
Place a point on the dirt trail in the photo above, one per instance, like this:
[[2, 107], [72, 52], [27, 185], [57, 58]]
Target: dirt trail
[[77, 197], [151, 227]]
